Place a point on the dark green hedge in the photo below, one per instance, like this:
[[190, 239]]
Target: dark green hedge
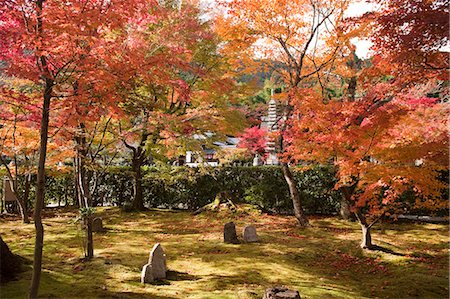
[[192, 188]]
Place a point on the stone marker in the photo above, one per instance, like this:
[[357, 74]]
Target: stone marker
[[97, 225], [229, 233], [249, 234], [156, 267], [281, 293]]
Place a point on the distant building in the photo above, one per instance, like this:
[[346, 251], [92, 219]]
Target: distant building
[[208, 155]]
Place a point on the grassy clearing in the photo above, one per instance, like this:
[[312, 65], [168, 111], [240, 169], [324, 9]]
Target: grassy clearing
[[321, 262]]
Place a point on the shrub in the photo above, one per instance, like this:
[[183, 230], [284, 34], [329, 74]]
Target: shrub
[[182, 187]]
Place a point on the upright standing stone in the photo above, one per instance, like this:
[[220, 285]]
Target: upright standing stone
[[249, 234], [229, 233], [146, 274], [156, 267], [97, 225]]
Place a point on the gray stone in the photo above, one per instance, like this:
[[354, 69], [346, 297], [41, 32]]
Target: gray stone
[[229, 233], [281, 293], [249, 234], [97, 225], [156, 268], [146, 274]]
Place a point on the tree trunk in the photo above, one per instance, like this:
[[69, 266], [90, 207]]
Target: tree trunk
[[20, 198], [84, 192], [89, 237], [40, 185], [295, 196], [22, 209], [347, 193], [85, 200], [344, 210], [138, 200], [352, 88], [26, 195], [366, 242], [76, 190]]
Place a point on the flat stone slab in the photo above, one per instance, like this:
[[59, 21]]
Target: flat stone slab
[[281, 293]]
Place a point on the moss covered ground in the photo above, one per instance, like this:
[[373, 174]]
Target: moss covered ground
[[323, 261]]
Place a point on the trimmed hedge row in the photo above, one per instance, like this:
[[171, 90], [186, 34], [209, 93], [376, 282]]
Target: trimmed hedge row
[[192, 188]]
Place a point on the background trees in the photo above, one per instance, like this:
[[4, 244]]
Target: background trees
[[372, 134], [50, 44], [298, 39], [150, 73]]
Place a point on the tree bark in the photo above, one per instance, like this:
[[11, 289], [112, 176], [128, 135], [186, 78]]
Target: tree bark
[[347, 193], [26, 196], [84, 199], [21, 198], [89, 238], [138, 199], [22, 208], [295, 196], [366, 242], [344, 209], [40, 187]]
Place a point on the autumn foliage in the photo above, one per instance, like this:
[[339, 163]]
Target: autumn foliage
[[85, 84], [254, 140]]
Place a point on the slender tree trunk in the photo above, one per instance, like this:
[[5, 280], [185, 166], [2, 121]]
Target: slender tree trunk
[[138, 200], [347, 193], [26, 193], [85, 199], [22, 208], [344, 209], [76, 190], [293, 190], [295, 196], [89, 237], [40, 188], [366, 242], [20, 198]]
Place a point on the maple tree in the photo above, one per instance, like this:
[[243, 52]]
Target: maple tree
[[18, 148], [298, 39], [19, 139], [387, 134], [375, 148], [45, 43], [254, 140], [165, 105], [413, 36]]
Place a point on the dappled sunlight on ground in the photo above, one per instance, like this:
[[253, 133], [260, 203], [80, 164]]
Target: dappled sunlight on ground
[[323, 261]]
